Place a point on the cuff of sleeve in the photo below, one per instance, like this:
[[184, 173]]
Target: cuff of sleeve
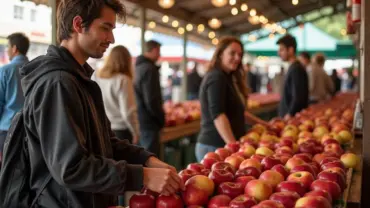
[[215, 115], [144, 156], [134, 177]]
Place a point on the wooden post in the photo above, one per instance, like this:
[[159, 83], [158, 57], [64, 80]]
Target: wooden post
[[184, 82], [142, 18], [54, 5]]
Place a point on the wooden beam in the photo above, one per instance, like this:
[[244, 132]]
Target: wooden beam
[[54, 5]]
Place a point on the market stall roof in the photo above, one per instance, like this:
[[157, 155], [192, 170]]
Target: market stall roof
[[198, 12]]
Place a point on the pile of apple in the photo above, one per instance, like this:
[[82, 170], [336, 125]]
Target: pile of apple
[[299, 162], [180, 113]]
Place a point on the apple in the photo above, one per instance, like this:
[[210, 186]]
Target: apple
[[239, 154], [322, 193], [254, 135], [205, 172], [330, 175], [320, 131], [283, 157], [281, 169], [318, 158], [194, 206], [248, 171], [272, 178], [230, 189], [349, 160], [315, 167], [270, 203], [306, 157], [223, 166], [223, 153], [259, 128], [334, 148], [284, 150], [328, 160], [312, 201], [267, 137], [304, 134], [250, 163], [258, 189], [304, 167], [292, 162], [243, 201], [150, 192], [220, 176], [213, 155], [197, 190], [306, 178], [269, 162], [291, 186], [208, 162], [308, 147], [257, 157], [218, 201], [233, 147], [173, 201], [186, 174], [285, 142], [330, 141], [289, 133], [288, 199], [248, 150], [331, 187], [345, 136], [264, 151], [268, 144], [243, 180], [338, 127], [250, 141], [142, 200], [338, 164], [291, 127], [195, 166], [338, 170], [234, 161]]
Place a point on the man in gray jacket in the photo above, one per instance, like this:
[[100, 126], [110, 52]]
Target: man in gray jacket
[[68, 132]]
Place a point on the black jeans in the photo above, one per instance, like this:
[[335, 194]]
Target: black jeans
[[149, 139], [124, 134]]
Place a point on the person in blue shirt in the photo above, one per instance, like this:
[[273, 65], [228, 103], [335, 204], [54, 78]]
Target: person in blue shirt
[[11, 95]]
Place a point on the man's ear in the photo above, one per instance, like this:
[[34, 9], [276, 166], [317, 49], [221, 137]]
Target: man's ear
[[77, 24], [14, 49]]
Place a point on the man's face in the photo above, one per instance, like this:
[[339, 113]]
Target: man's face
[[283, 52], [11, 51], [157, 53], [95, 40], [304, 61]]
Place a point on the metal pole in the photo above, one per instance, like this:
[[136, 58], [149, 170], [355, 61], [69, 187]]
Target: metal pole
[[184, 82], [142, 27], [54, 4]]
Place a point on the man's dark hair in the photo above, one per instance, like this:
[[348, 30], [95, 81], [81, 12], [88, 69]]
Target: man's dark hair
[[87, 10], [20, 41], [288, 41], [151, 44], [305, 55]]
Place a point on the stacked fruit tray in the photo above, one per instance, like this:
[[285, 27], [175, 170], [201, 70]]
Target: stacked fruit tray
[[301, 162]]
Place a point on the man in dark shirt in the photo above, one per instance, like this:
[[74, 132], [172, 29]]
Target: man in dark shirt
[[194, 81], [295, 91]]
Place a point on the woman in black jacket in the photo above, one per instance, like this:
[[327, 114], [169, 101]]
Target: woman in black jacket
[[223, 98]]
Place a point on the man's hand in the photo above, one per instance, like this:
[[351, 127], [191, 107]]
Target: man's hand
[[154, 162], [161, 180]]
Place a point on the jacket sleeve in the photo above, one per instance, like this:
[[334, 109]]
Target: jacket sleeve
[[299, 92], [59, 119], [151, 90]]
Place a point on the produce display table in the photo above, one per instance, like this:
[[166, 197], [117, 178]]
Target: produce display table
[[354, 193]]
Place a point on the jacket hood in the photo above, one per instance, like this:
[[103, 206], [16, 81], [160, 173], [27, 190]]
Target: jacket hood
[[56, 58]]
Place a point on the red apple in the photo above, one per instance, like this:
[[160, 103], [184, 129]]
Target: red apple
[[247, 150], [264, 151], [258, 189], [248, 171], [283, 158], [223, 153], [220, 176], [212, 155], [284, 150], [269, 162], [234, 161], [173, 201], [329, 159], [288, 199], [313, 201], [150, 192], [338, 170], [270, 203], [230, 189], [304, 167], [195, 166], [330, 175], [186, 174], [330, 141], [239, 154], [291, 186], [142, 200], [218, 201], [322, 193], [233, 147], [243, 180], [243, 201], [338, 127], [257, 157], [309, 147], [281, 169], [304, 156], [208, 162], [336, 148], [272, 178], [292, 162], [286, 142], [250, 141], [304, 177], [331, 187], [250, 163], [333, 164], [205, 172], [223, 166], [197, 190]]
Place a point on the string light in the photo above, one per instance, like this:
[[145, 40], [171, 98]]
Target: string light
[[189, 27], [234, 11], [181, 30], [232, 2], [175, 23], [165, 19], [253, 12], [295, 2], [215, 41], [211, 35], [152, 25], [214, 23], [244, 7], [166, 4], [201, 28]]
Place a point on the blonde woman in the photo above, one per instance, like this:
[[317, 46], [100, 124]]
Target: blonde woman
[[115, 81]]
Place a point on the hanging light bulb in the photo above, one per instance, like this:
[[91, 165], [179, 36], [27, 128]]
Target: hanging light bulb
[[232, 2], [244, 7], [211, 35], [200, 28], [181, 30], [189, 27], [253, 12], [215, 41], [152, 25], [234, 11], [214, 23], [219, 3], [166, 4], [175, 23], [165, 19], [252, 38], [295, 2], [272, 36], [254, 20]]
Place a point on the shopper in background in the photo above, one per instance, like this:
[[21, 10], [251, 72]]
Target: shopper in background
[[115, 82], [305, 59], [295, 91], [149, 97], [278, 81], [252, 79], [194, 81], [11, 95], [66, 125], [320, 85], [223, 98], [337, 81]]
